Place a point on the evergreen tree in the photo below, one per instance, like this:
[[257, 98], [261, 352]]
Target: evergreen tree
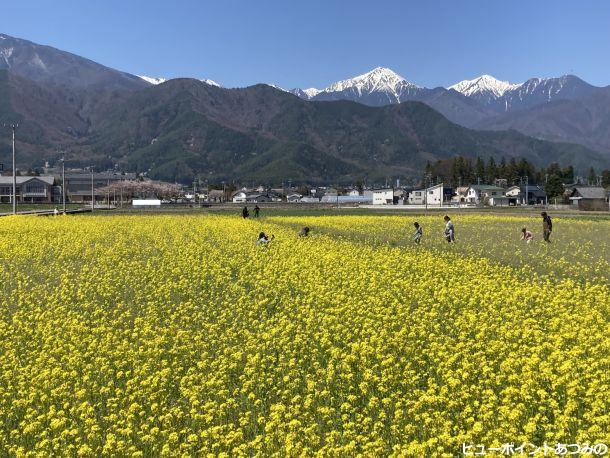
[[554, 186], [492, 170], [479, 170], [512, 172], [502, 171], [428, 169], [606, 178], [554, 169], [568, 174], [456, 170]]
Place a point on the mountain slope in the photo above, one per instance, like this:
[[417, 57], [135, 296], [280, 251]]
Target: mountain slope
[[585, 121], [382, 86], [47, 65], [184, 127], [538, 91]]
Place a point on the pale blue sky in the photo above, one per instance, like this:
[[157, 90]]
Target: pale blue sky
[[315, 42]]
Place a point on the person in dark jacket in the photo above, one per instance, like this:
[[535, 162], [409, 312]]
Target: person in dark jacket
[[304, 232], [256, 211], [547, 226], [245, 213]]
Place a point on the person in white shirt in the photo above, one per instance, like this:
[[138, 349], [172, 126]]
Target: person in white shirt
[[449, 230], [263, 239]]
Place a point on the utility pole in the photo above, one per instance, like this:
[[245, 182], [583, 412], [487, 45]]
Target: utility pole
[[92, 192], [14, 127], [63, 182], [337, 195], [426, 191]]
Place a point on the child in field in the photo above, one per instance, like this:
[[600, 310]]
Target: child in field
[[304, 232], [418, 232], [526, 235], [449, 230], [263, 239]]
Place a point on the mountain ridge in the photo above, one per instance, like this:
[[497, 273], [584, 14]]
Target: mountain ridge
[[181, 127]]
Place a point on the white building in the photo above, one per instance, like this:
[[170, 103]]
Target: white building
[[481, 193], [498, 201], [294, 197], [430, 196], [383, 196], [240, 197]]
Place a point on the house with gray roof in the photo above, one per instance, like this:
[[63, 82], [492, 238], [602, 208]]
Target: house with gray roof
[[481, 193], [30, 189], [589, 198]]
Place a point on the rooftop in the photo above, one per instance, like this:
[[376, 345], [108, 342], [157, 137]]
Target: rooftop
[[590, 192], [8, 180]]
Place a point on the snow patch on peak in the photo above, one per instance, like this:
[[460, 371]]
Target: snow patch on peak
[[379, 79], [152, 80], [210, 82], [311, 92], [275, 86], [484, 85]]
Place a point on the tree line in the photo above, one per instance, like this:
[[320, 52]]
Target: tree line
[[463, 171]]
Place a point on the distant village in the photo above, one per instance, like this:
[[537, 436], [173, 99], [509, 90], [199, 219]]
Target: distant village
[[113, 189]]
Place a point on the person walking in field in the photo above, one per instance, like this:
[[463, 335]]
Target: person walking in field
[[256, 211], [449, 230], [418, 233], [526, 235], [245, 213], [547, 227]]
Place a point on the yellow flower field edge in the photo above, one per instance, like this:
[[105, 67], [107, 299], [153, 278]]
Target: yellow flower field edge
[[177, 336]]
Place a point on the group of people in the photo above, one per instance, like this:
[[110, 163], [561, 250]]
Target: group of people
[[245, 213], [526, 235], [449, 233], [547, 228]]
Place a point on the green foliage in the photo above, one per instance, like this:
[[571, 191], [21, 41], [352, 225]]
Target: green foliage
[[606, 178], [553, 186]]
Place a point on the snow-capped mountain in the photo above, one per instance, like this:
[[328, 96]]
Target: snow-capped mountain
[[379, 79], [537, 91], [306, 94], [380, 86], [485, 89], [152, 80], [210, 82], [503, 96]]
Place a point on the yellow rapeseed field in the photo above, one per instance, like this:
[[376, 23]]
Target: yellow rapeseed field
[[177, 336]]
